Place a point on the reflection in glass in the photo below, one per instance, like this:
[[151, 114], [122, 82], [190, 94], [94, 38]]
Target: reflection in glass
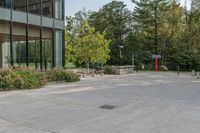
[[34, 47], [47, 8], [47, 49], [58, 9], [5, 3], [34, 6], [19, 5], [19, 44], [4, 44]]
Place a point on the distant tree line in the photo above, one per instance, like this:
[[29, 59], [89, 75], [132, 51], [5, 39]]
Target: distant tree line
[[161, 27]]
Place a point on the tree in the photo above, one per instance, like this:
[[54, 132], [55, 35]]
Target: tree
[[89, 46], [191, 36], [171, 29], [148, 16], [154, 27], [195, 4], [115, 19]]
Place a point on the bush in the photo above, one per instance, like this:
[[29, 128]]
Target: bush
[[71, 77], [109, 70], [62, 75], [21, 79], [56, 75], [12, 79]]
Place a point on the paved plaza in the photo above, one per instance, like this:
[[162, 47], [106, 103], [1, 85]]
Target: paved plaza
[[144, 102]]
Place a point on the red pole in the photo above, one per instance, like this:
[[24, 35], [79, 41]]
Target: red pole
[[156, 64]]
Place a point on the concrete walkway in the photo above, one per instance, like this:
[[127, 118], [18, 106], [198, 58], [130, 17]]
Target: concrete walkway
[[145, 103]]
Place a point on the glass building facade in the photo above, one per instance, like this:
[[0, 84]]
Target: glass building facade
[[32, 33]]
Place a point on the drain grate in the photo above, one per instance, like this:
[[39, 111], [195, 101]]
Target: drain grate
[[107, 107]]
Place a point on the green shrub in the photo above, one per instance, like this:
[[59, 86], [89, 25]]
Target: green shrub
[[62, 75], [30, 79], [56, 75], [71, 77], [21, 79], [7, 79], [109, 70]]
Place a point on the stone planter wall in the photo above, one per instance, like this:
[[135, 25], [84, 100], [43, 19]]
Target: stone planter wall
[[120, 70]]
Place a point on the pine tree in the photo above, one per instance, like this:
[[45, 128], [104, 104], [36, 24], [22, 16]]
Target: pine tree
[[114, 18], [195, 5], [148, 16]]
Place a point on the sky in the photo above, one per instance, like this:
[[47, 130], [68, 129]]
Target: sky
[[73, 6]]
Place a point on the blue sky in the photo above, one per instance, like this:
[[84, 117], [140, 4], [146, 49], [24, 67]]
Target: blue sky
[[72, 6]]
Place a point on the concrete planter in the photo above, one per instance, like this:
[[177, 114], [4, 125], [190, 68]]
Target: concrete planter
[[120, 70]]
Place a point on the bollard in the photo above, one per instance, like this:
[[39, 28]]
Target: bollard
[[198, 75], [193, 73], [178, 70]]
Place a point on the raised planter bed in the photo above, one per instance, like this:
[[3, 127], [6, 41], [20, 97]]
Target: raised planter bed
[[120, 70]]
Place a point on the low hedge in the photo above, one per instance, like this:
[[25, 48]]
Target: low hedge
[[62, 75], [21, 79]]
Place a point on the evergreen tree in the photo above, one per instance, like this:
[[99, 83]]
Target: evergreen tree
[[115, 19], [148, 17], [195, 5]]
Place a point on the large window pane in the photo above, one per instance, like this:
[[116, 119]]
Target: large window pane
[[5, 3], [4, 44], [58, 48], [47, 48], [47, 8], [19, 5], [58, 9], [34, 6], [34, 47], [19, 45]]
